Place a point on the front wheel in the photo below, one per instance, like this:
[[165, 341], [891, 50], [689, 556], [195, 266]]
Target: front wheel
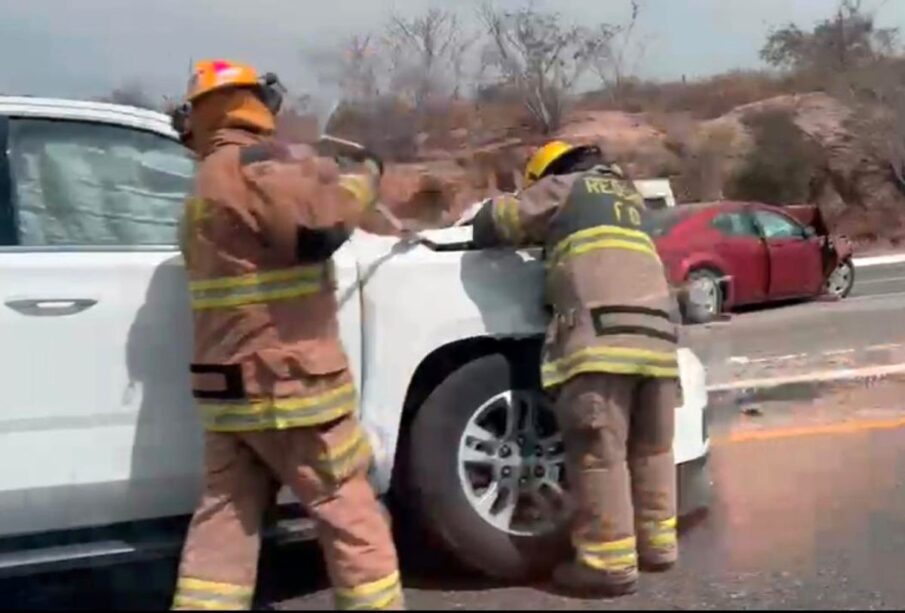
[[705, 300], [487, 470], [841, 281]]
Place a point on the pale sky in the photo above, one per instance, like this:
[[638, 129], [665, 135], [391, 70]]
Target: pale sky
[[84, 48]]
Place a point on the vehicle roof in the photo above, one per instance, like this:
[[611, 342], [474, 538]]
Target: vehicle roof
[[84, 110]]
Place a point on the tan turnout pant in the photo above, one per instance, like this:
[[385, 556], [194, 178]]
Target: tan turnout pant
[[326, 468], [618, 432]]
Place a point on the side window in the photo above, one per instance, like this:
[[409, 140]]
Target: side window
[[777, 226], [90, 184], [7, 215], [735, 224]]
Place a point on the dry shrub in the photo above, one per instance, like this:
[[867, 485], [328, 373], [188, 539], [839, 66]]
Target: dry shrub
[[386, 125], [781, 166], [705, 155], [705, 98], [297, 127]]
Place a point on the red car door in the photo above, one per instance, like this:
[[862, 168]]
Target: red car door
[[796, 262], [744, 252]]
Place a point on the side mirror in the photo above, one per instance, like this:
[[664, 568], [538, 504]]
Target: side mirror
[[810, 232]]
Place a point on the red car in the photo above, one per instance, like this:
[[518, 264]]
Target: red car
[[743, 253]]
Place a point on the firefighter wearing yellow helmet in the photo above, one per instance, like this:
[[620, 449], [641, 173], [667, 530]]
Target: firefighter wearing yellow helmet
[[610, 359], [269, 375]]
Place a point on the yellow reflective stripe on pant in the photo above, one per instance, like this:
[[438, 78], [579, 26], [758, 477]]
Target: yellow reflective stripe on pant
[[602, 237], [615, 360], [195, 594], [608, 556], [659, 535], [279, 413], [381, 594], [226, 292], [341, 461], [506, 218]]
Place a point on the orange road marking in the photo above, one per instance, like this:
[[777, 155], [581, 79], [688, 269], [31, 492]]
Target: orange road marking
[[850, 427]]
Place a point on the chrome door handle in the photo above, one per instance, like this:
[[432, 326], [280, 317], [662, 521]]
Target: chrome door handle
[[51, 307]]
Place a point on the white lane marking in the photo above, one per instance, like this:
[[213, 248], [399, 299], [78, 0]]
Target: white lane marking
[[781, 358], [839, 351], [858, 298], [882, 347], [883, 280], [880, 260], [812, 377], [743, 359]]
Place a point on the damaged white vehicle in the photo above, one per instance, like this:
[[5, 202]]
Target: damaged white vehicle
[[98, 431]]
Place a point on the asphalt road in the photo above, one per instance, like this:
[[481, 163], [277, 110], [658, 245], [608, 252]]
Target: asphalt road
[[809, 512], [866, 328], [879, 280]]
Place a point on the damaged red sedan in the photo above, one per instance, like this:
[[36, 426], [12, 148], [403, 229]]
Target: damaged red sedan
[[744, 253]]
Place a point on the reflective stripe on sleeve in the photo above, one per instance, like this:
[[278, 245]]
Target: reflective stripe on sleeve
[[361, 188], [506, 218]]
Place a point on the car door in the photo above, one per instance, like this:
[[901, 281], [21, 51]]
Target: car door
[[96, 328], [796, 263], [745, 253]]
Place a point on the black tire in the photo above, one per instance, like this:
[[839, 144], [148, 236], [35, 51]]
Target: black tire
[[433, 481], [845, 288], [696, 315]]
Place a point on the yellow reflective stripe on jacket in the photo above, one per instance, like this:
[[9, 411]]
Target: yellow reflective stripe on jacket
[[379, 594], [610, 556], [343, 459], [506, 218], [602, 237], [257, 287], [279, 413], [616, 360], [660, 535], [210, 595]]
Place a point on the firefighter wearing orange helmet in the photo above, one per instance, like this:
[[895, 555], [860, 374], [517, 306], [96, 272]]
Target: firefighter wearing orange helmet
[[270, 376], [610, 358]]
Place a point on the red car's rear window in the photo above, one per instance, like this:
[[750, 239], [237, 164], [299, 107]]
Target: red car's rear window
[[661, 223]]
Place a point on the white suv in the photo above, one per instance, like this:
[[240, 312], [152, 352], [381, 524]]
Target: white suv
[[97, 414]]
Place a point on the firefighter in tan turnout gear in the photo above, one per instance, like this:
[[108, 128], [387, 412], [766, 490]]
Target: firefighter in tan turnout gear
[[269, 374], [609, 357]]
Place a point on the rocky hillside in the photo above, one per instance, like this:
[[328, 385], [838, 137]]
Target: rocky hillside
[[703, 158]]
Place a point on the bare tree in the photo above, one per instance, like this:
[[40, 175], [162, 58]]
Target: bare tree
[[836, 45], [879, 100], [860, 64], [618, 60], [428, 53], [354, 67], [131, 93], [539, 56]]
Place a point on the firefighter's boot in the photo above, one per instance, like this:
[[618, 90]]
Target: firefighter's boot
[[577, 580]]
